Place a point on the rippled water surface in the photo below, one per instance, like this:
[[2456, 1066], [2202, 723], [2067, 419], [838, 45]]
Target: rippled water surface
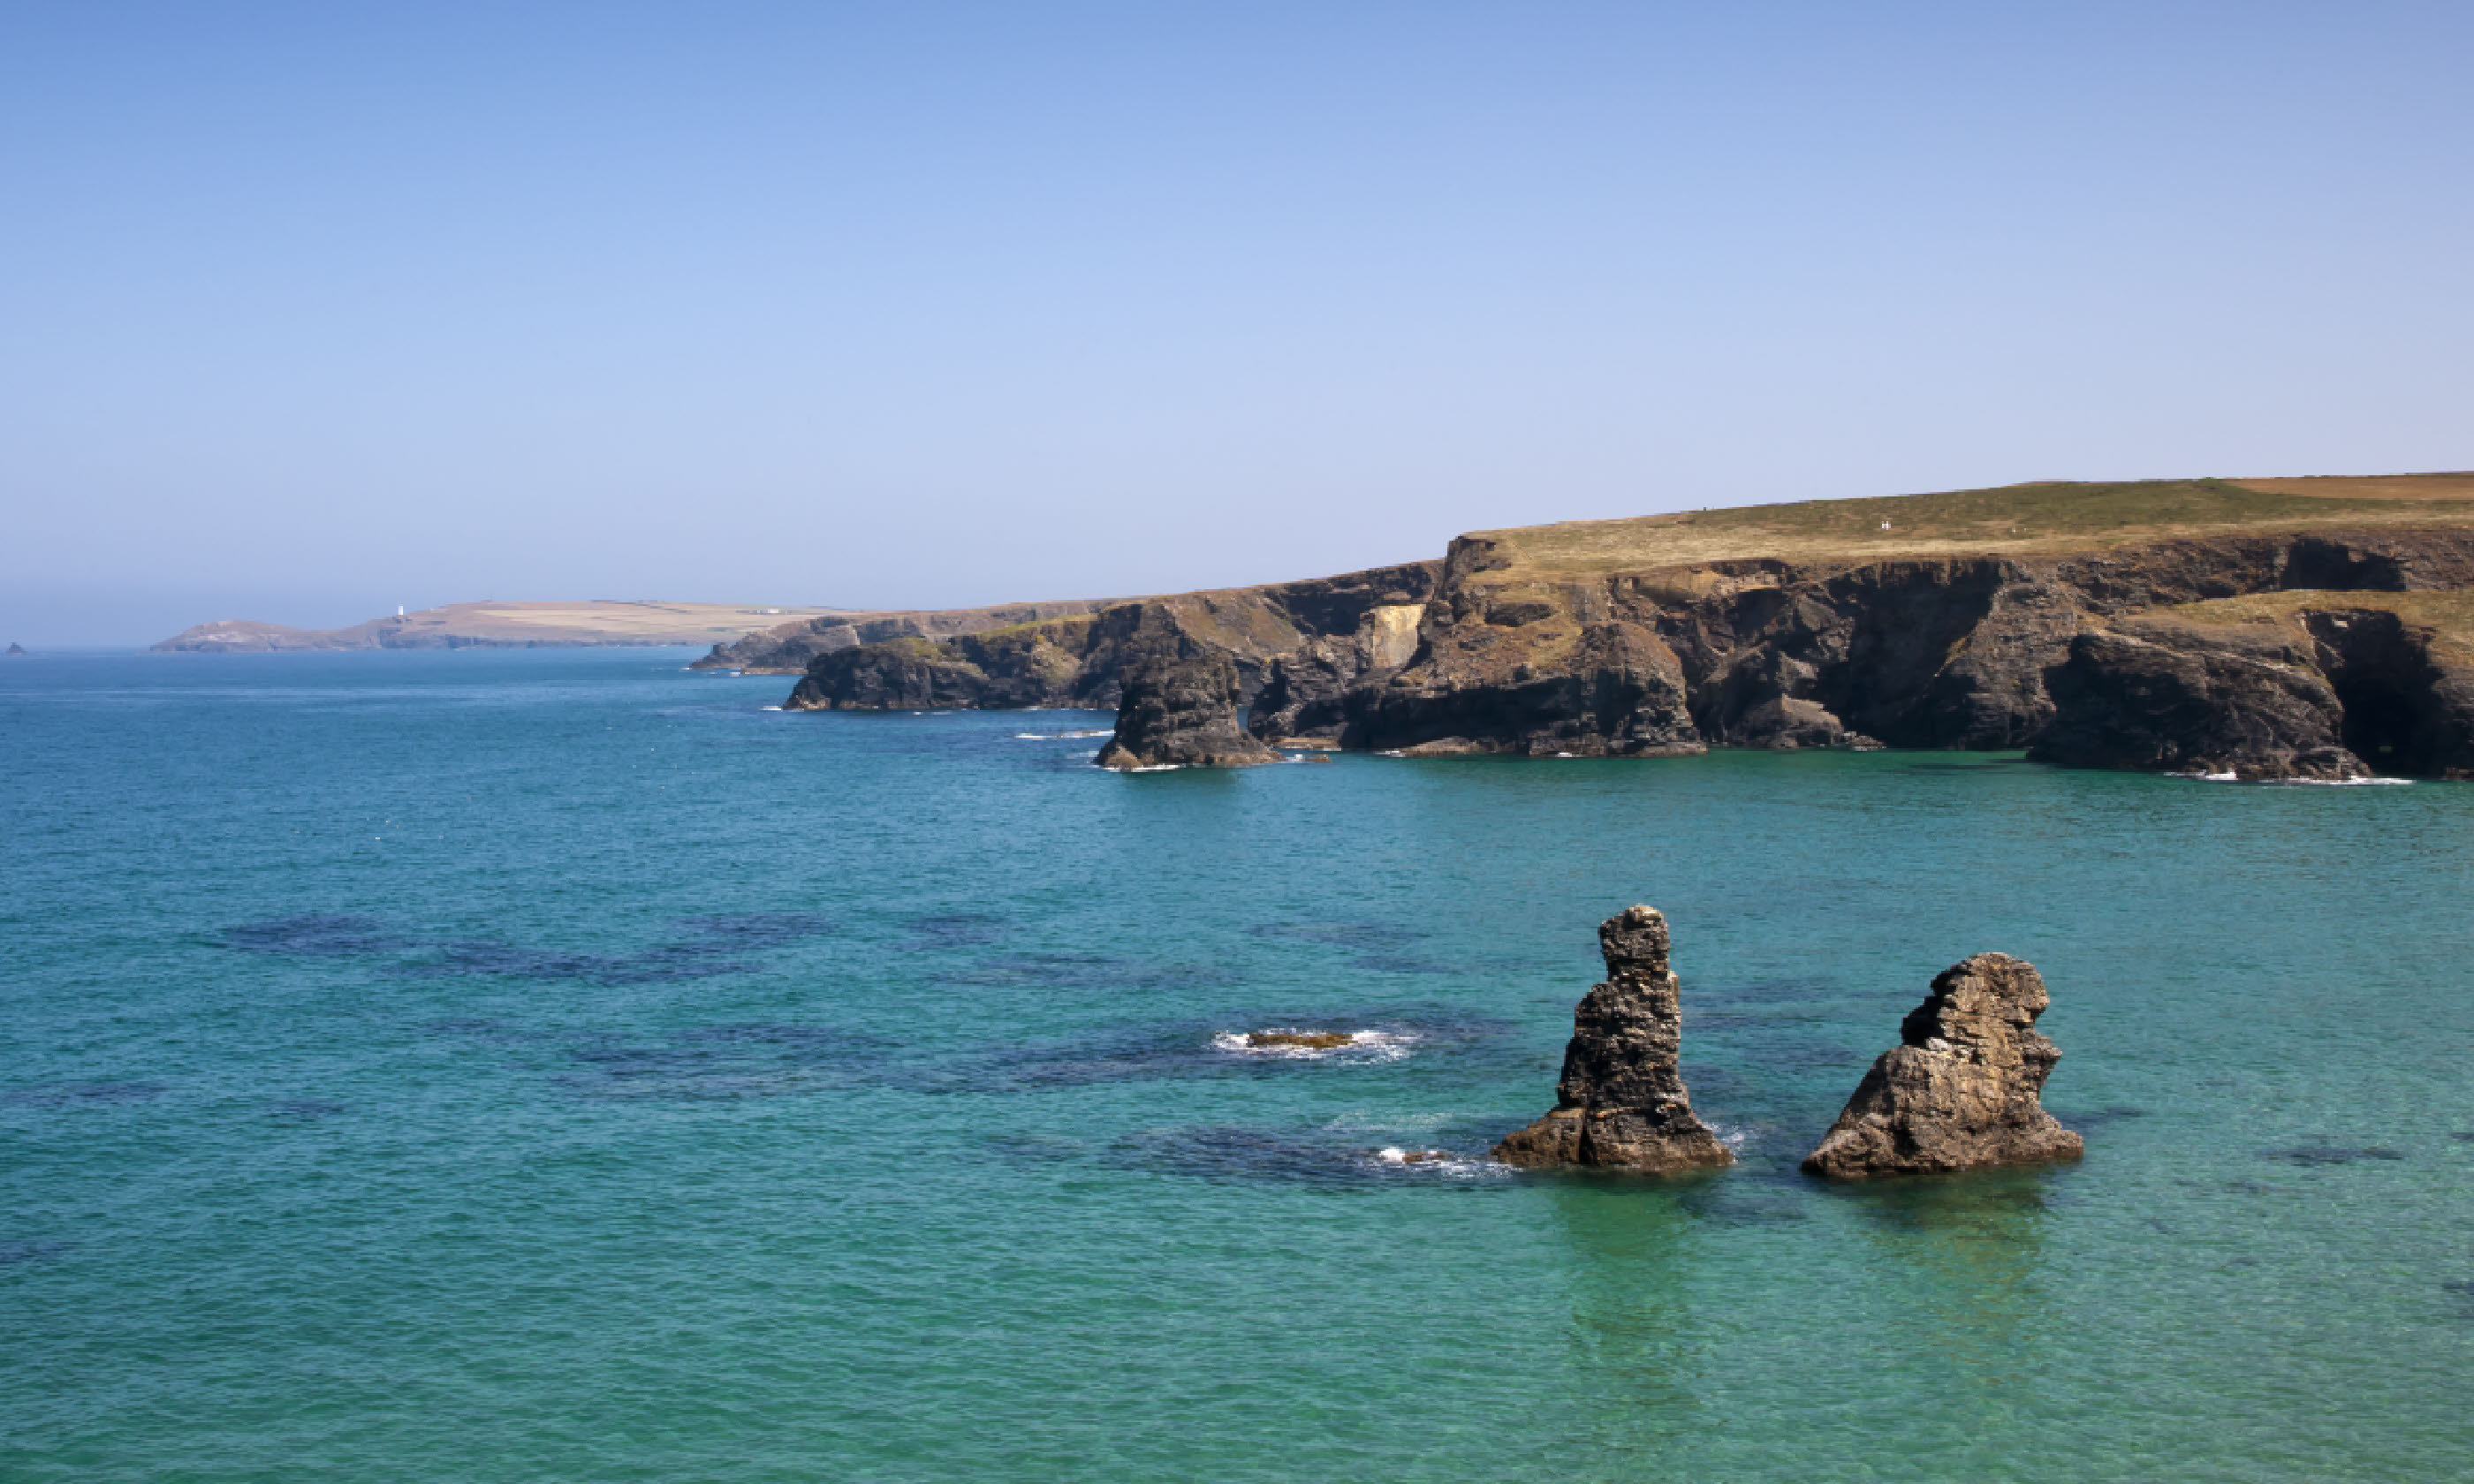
[[559, 1066]]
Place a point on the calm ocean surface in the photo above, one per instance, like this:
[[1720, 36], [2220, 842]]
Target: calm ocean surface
[[556, 1066]]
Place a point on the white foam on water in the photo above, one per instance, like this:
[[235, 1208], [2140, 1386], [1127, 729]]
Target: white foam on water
[[1440, 1162], [1157, 767], [772, 708], [2229, 778], [1060, 736]]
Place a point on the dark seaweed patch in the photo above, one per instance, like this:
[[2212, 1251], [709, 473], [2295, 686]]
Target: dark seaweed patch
[[2462, 1291], [483, 959], [759, 930], [1087, 971], [1399, 964], [314, 934], [707, 951], [71, 1094], [726, 1063], [2093, 1121], [2463, 1138], [2313, 1156], [465, 1025], [1340, 935], [15, 1254], [303, 1107], [1746, 1200], [954, 930], [1758, 993]]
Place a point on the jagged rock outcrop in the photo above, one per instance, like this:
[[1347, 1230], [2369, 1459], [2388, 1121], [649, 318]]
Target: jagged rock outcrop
[[1962, 1088], [1940, 651], [1621, 1103], [1078, 660], [791, 648], [1028, 666], [2162, 694], [1179, 705]]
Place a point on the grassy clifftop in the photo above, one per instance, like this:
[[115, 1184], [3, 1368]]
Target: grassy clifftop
[[2448, 617], [2042, 518]]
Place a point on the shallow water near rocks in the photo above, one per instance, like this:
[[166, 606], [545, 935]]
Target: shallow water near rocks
[[556, 1066]]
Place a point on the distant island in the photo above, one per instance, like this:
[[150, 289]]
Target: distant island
[[2315, 628], [492, 625]]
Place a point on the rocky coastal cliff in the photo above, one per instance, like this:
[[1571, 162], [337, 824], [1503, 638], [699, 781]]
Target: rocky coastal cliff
[[1621, 1103], [1082, 659], [2086, 623]]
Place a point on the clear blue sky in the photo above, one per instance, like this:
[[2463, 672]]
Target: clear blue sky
[[306, 311]]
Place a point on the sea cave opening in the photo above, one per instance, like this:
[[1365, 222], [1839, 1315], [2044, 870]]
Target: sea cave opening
[[2380, 724]]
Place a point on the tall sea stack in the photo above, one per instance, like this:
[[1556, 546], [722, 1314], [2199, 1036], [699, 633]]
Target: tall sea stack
[[1962, 1088], [1180, 707], [1622, 1104]]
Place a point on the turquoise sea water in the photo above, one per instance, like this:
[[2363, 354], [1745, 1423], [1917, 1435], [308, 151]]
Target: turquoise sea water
[[557, 1066]]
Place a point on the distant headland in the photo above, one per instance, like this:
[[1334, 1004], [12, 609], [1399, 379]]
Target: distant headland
[[494, 625]]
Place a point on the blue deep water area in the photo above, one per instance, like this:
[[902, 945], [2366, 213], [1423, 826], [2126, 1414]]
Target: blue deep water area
[[556, 1066]]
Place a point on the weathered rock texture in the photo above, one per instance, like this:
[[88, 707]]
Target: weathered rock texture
[[1981, 652], [2051, 617], [1962, 1088], [1080, 660], [1179, 704], [787, 649], [2166, 695], [1621, 1103]]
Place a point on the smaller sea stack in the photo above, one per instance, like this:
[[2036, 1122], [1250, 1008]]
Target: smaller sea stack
[[1179, 710], [1962, 1090], [1622, 1104]]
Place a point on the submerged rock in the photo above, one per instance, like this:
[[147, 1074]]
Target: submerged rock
[[1962, 1088], [1179, 710], [1621, 1103], [1307, 1041]]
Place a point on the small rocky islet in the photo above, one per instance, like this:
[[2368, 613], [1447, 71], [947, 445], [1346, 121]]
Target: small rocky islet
[[1962, 1090]]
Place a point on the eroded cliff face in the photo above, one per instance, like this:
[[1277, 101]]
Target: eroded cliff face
[[2160, 694], [1080, 660], [1981, 652]]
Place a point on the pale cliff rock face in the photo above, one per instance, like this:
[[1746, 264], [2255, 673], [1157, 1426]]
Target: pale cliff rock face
[[1180, 709], [1962, 1090], [1621, 1103]]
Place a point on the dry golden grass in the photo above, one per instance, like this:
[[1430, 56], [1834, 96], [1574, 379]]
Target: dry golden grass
[[2449, 615], [2046, 517]]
